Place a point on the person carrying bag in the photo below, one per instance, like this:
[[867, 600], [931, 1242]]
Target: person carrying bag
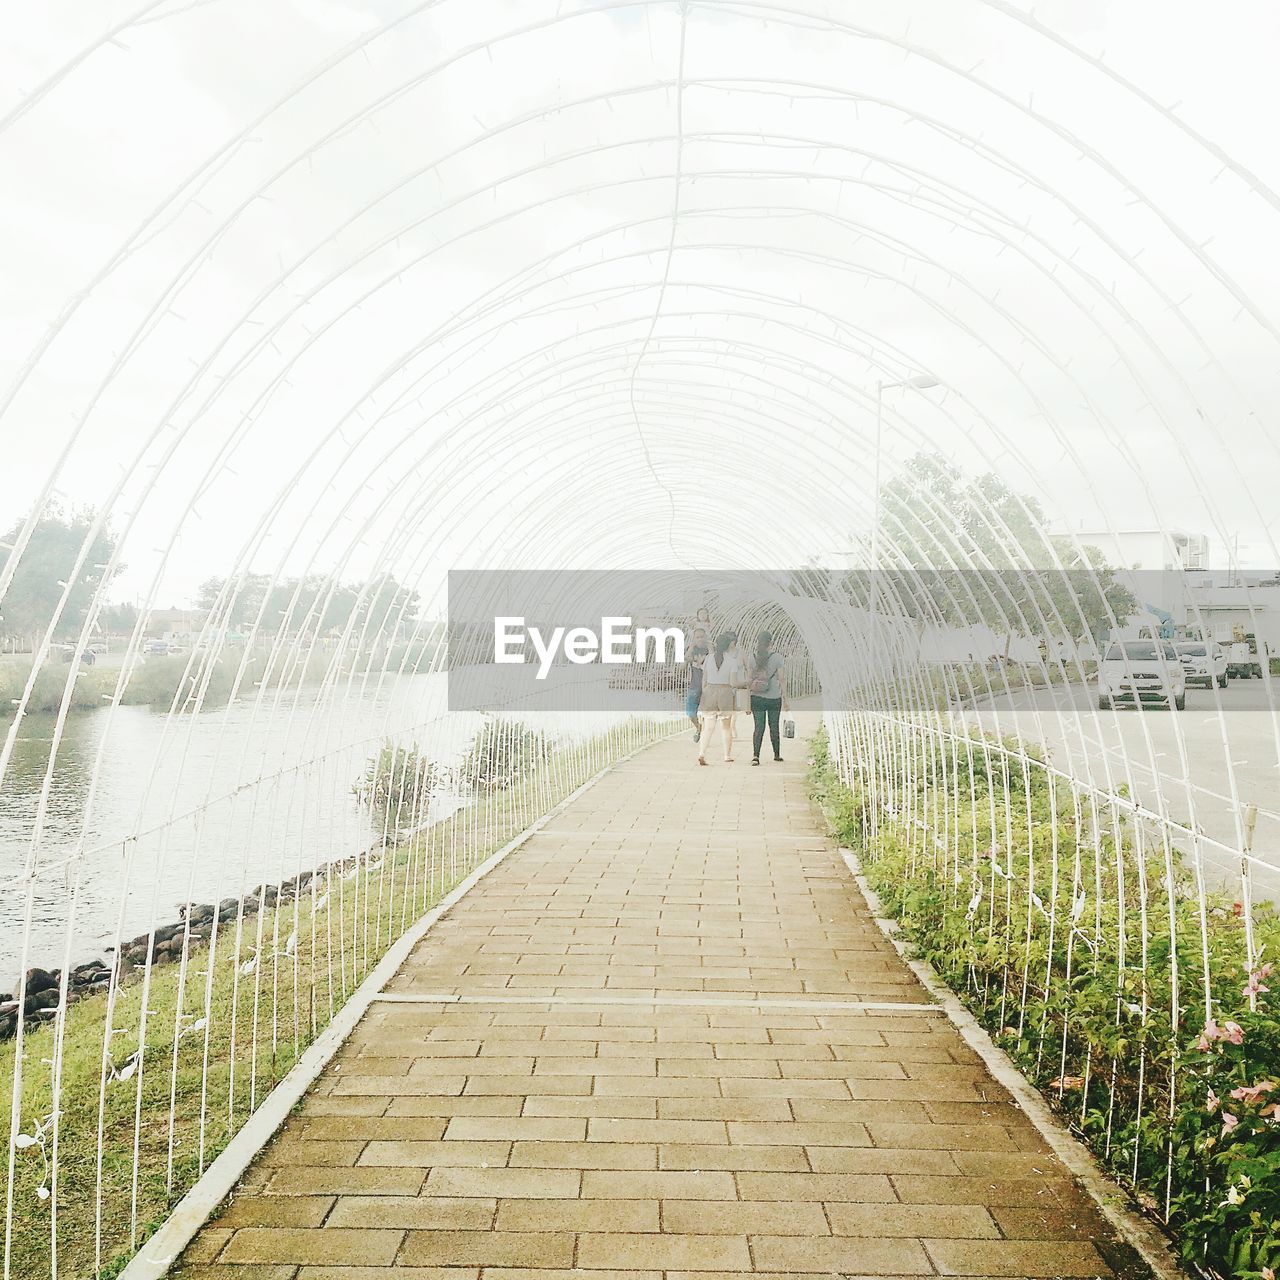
[[767, 691]]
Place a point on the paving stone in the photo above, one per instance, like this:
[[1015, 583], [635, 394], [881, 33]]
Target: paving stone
[[1052, 1221], [555, 1184], [578, 1215], [436, 1213], [871, 1188], [689, 1156], [877, 1257], [428, 1154], [321, 1105], [477, 1128], [857, 1111], [658, 1087], [801, 1133], [1009, 1164], [567, 1273], [914, 1220], [276, 1211], [923, 1188], [235, 1271], [209, 1244], [742, 1109], [1016, 1258], [665, 1252], [786, 1089], [665, 1131], [662, 1140], [584, 1155], [455, 1106], [310, 1180], [489, 1248], [610, 1184], [349, 1085], [941, 1137], [335, 1128], [516, 1086], [293, 1150], [381, 1273], [621, 1108], [334, 1245], [744, 1217]]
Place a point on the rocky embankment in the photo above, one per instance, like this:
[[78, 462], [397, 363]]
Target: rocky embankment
[[41, 993]]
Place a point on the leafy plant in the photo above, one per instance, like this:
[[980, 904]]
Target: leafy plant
[[1093, 962], [397, 786], [502, 752]]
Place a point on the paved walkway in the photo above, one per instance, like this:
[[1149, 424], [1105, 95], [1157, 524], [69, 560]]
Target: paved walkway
[[671, 1056]]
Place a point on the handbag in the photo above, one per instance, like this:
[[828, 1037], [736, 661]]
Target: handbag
[[761, 679], [788, 728]]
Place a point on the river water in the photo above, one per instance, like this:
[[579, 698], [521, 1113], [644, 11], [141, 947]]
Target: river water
[[148, 811]]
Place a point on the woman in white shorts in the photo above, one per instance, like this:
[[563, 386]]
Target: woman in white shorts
[[722, 675]]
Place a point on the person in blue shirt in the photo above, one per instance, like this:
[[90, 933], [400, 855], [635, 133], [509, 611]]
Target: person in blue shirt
[[697, 652]]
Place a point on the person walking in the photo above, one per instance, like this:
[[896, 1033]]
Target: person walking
[[721, 675], [768, 693], [698, 650]]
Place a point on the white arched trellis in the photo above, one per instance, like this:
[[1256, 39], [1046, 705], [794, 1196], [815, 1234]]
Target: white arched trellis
[[336, 298]]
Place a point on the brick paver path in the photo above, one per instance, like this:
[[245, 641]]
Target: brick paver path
[[666, 1062]]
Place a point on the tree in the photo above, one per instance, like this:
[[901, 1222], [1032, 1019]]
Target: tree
[[960, 552], [244, 606], [119, 618], [47, 563], [313, 604]]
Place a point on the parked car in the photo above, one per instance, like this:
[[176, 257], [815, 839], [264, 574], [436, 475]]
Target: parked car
[[67, 653], [156, 647], [1141, 671], [98, 648], [1242, 660], [1205, 661]]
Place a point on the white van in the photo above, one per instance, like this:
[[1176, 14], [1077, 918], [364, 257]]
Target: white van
[[1134, 672], [1205, 661]]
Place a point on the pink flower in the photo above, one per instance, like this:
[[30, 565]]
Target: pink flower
[[1229, 1122], [1268, 1273], [1229, 1031], [1252, 1093], [1254, 986], [1212, 1103]]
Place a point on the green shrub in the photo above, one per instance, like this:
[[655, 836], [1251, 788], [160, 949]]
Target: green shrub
[[501, 753], [1063, 933], [397, 786]]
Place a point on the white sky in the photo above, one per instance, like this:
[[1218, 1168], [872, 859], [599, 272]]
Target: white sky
[[338, 277]]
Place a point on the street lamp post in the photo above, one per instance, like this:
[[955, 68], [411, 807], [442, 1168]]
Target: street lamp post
[[918, 382]]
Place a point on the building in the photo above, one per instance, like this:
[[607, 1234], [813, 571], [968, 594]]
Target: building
[[1244, 605], [1145, 550], [1159, 566]]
